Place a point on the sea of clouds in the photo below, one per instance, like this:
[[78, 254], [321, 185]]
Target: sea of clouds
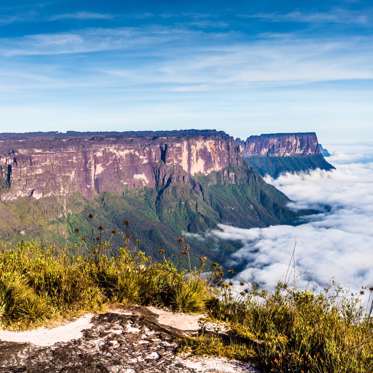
[[336, 245]]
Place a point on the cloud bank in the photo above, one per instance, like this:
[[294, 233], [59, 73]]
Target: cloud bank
[[337, 245], [220, 79]]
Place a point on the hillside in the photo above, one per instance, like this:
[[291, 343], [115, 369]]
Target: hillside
[[58, 187]]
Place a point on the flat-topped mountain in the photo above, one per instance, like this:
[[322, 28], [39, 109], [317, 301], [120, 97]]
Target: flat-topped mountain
[[47, 164], [283, 144], [41, 165], [273, 154], [164, 183]]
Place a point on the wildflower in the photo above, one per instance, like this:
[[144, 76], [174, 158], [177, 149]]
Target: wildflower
[[113, 232], [126, 222], [90, 216], [100, 228], [76, 230]]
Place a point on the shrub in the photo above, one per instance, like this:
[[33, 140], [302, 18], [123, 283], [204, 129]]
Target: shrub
[[192, 294], [19, 304], [39, 284], [292, 331]]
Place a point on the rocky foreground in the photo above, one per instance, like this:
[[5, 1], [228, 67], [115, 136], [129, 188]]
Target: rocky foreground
[[138, 340]]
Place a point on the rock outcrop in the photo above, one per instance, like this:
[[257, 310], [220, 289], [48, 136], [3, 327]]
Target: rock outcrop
[[116, 342], [274, 154], [283, 145]]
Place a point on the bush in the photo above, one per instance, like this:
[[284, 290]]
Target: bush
[[39, 284], [292, 331], [19, 304]]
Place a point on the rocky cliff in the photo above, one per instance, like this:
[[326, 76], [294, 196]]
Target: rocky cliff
[[48, 165], [283, 145], [274, 154], [163, 183]]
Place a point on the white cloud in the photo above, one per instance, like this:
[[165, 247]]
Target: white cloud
[[7, 20], [270, 83], [341, 16], [82, 16], [96, 40], [336, 245]]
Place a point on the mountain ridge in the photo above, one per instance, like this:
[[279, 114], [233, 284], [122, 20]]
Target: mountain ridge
[[189, 181]]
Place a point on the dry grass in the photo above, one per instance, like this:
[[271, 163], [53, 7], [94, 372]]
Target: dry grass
[[284, 331], [37, 285], [291, 331]]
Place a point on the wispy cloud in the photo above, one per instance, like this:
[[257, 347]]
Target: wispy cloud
[[269, 81], [185, 56], [10, 19], [97, 40], [82, 16], [336, 16]]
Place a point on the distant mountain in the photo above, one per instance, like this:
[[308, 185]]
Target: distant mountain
[[156, 185], [274, 154]]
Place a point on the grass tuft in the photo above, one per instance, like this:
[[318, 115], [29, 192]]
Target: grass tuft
[[288, 330], [37, 285]]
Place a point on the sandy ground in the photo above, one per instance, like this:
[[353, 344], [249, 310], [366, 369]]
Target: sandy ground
[[73, 330], [49, 336], [216, 365], [181, 321]]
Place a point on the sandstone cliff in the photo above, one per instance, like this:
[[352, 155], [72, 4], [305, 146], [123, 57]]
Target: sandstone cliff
[[164, 183], [49, 165], [274, 154], [52, 164], [283, 145]]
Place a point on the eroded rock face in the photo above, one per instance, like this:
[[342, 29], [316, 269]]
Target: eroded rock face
[[283, 145], [45, 165], [49, 165]]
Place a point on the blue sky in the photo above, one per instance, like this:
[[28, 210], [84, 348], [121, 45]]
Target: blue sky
[[241, 66]]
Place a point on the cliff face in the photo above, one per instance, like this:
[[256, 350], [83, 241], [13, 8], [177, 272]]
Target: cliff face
[[37, 166], [283, 145], [163, 183], [274, 154], [45, 165]]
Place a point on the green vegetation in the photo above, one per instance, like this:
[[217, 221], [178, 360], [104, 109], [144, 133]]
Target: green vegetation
[[290, 331], [285, 331], [235, 196], [274, 166], [38, 285]]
